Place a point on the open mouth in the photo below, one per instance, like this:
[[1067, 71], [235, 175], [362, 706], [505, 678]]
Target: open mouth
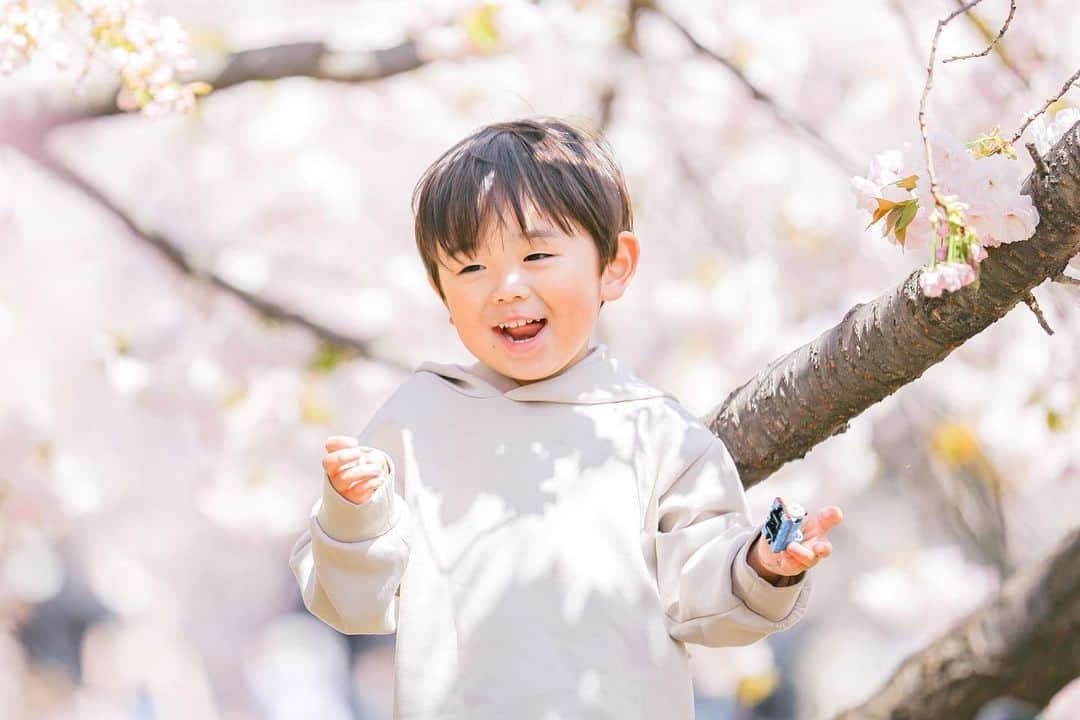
[[522, 335]]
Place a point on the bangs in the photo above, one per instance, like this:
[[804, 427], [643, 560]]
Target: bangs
[[486, 180]]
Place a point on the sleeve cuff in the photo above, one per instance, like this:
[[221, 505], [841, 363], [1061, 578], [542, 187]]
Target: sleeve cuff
[[347, 521], [764, 598]]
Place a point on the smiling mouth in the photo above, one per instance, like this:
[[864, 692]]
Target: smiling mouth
[[524, 333]]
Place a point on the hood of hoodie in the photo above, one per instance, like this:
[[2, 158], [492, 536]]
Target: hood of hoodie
[[596, 378]]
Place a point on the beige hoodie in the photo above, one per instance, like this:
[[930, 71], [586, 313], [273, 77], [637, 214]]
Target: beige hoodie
[[542, 551]]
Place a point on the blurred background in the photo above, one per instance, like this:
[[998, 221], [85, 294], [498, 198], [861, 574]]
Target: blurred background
[[190, 304]]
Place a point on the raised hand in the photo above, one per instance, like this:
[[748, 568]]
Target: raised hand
[[797, 557], [355, 471]]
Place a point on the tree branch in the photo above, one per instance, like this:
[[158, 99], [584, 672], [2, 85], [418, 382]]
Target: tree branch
[[304, 59], [176, 257], [1032, 303], [993, 42], [1031, 116], [938, 200], [878, 347], [1021, 644], [831, 152], [998, 46]]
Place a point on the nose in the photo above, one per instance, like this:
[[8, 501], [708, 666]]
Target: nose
[[511, 287]]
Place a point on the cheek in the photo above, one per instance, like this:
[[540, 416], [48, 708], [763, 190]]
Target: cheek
[[578, 299], [467, 315]]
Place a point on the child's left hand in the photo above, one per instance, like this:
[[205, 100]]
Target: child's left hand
[[796, 557]]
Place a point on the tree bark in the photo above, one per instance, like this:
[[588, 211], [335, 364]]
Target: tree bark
[[812, 392], [1022, 644]]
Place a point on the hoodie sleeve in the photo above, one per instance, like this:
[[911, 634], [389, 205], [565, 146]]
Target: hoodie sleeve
[[710, 594], [350, 560]]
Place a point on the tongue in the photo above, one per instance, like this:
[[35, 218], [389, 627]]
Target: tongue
[[525, 331]]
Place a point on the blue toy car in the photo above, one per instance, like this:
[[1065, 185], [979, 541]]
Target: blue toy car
[[784, 525]]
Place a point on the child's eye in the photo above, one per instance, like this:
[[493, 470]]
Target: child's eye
[[535, 254], [466, 269]]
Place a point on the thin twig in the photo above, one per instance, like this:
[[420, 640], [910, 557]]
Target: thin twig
[[1048, 103], [1012, 11], [832, 152], [999, 47], [1040, 165], [922, 105], [1034, 305]]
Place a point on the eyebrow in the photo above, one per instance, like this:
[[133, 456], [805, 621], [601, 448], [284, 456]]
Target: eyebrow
[[540, 232], [529, 234]]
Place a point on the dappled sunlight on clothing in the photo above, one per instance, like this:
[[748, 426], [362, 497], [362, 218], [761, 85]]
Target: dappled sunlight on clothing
[[555, 544]]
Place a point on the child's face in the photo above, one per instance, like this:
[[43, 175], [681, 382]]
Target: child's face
[[555, 278]]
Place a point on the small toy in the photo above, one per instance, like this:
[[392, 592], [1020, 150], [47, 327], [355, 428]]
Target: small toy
[[784, 524]]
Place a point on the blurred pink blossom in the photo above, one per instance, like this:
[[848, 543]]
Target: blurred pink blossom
[[946, 276]]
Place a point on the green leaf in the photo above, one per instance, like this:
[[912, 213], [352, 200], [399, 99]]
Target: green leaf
[[891, 218], [907, 215]]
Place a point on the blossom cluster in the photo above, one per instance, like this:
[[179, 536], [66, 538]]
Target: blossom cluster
[[980, 185], [146, 52], [23, 30]]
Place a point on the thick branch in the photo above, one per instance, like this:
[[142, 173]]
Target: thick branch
[[1021, 644], [176, 257], [305, 59], [878, 347]]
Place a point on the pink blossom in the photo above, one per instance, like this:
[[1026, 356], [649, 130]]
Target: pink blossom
[[966, 274], [1013, 222], [946, 276], [866, 193], [885, 169], [993, 181], [950, 276], [23, 29], [978, 253], [919, 231], [126, 100], [1048, 132], [931, 283]]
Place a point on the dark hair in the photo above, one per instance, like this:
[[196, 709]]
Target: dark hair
[[567, 172]]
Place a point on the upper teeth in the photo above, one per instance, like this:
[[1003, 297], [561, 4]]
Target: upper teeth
[[516, 323]]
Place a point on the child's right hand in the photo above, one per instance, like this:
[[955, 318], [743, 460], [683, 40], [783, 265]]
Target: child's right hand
[[356, 472]]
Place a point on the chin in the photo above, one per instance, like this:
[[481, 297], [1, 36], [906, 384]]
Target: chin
[[525, 377]]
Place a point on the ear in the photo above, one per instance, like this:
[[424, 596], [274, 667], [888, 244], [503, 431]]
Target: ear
[[618, 273]]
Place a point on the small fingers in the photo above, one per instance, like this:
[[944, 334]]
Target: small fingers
[[823, 521], [831, 516], [339, 460], [801, 555], [337, 442], [358, 478], [367, 482], [360, 467]]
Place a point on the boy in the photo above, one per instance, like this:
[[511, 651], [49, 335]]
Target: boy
[[543, 529]]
